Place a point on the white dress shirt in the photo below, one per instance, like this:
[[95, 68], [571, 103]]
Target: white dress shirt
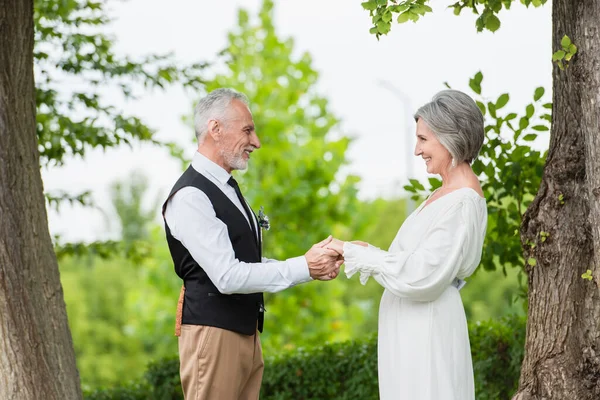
[[193, 221]]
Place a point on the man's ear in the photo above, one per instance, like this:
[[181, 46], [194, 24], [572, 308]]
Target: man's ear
[[214, 129]]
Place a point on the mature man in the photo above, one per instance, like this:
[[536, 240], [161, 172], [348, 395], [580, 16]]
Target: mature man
[[215, 242]]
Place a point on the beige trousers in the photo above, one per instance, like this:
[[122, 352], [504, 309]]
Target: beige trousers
[[217, 364]]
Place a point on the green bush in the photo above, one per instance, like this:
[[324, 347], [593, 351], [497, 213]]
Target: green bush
[[344, 371], [132, 391], [497, 349]]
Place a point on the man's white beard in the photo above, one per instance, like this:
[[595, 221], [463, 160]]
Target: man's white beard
[[234, 161]]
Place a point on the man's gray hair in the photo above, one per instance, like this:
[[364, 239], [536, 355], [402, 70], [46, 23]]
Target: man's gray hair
[[457, 123], [214, 106]]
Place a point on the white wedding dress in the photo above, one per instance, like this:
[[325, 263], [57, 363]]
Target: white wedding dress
[[423, 347]]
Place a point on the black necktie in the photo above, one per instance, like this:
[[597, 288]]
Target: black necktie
[[233, 183]]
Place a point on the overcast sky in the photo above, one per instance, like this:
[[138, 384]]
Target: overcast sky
[[358, 74]]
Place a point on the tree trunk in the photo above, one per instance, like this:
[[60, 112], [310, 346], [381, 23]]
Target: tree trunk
[[562, 351], [37, 360]]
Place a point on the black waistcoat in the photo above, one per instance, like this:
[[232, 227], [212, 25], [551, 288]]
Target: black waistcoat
[[203, 304]]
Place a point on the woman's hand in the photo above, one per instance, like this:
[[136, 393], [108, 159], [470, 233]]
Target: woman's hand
[[337, 246], [360, 243]]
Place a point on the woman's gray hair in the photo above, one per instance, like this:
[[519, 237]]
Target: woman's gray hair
[[457, 123], [214, 106]]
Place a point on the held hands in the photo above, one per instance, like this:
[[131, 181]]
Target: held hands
[[338, 245], [323, 262], [325, 258]]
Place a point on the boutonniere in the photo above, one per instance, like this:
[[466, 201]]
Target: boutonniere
[[263, 220]]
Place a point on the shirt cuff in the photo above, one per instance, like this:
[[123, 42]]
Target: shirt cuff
[[299, 272], [359, 258]]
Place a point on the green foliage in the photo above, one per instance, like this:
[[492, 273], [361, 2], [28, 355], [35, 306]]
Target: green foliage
[[70, 46], [121, 311], [75, 64], [102, 249], [127, 197], [588, 275], [509, 171], [121, 302], [568, 50], [294, 176], [493, 295], [345, 371], [132, 391], [497, 349], [382, 12]]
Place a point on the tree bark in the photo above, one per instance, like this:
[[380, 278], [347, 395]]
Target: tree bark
[[562, 351], [37, 360]]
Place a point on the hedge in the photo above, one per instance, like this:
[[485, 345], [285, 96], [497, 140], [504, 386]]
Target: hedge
[[348, 370]]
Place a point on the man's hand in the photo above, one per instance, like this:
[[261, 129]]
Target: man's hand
[[323, 263], [360, 243]]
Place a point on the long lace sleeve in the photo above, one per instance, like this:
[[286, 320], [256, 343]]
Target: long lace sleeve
[[451, 248]]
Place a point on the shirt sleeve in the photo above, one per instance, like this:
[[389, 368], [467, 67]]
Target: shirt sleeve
[[192, 220], [425, 272]]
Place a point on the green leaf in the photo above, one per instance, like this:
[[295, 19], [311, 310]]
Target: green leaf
[[573, 49], [492, 109], [410, 188], [588, 275], [369, 5], [417, 185], [565, 42], [383, 27], [502, 100], [496, 6], [532, 261], [475, 83], [414, 17], [523, 122], [529, 110], [402, 18], [530, 137], [540, 128], [381, 2], [434, 183], [400, 8], [559, 55], [539, 92], [387, 16], [510, 116], [481, 107], [492, 23]]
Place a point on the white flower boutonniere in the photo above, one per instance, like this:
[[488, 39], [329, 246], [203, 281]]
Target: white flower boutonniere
[[263, 220]]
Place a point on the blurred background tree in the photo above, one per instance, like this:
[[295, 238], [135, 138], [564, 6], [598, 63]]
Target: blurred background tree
[[295, 176]]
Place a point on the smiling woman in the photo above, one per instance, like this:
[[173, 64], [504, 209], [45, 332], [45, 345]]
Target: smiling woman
[[424, 350], [450, 134], [454, 123]]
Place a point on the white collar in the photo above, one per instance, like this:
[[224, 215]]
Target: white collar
[[202, 164]]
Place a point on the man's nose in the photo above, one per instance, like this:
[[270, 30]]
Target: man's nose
[[254, 141]]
